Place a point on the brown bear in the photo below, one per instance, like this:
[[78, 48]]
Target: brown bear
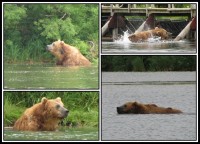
[[43, 116], [144, 35], [139, 108], [67, 55]]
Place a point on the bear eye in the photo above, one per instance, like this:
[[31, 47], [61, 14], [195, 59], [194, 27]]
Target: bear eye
[[57, 106]]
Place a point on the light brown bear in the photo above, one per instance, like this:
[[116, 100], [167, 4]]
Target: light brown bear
[[139, 108], [67, 55], [144, 35], [43, 116]]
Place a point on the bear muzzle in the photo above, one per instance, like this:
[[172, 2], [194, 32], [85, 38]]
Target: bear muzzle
[[65, 113], [49, 47], [120, 110]]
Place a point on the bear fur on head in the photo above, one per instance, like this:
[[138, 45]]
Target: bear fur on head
[[67, 55], [43, 116], [139, 108]]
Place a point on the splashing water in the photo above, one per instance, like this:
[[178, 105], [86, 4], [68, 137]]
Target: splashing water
[[154, 39], [124, 38]]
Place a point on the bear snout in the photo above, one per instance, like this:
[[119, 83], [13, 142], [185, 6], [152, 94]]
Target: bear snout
[[48, 47], [65, 113], [120, 110]]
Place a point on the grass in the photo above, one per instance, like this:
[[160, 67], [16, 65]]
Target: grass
[[80, 118], [11, 113]]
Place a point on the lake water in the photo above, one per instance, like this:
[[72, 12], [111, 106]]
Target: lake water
[[50, 77], [73, 134], [166, 89], [127, 47]]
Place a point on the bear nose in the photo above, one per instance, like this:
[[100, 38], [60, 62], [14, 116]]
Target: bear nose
[[119, 110], [47, 47], [66, 112]]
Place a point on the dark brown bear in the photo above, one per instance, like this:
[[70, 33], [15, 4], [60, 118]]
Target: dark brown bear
[[139, 108]]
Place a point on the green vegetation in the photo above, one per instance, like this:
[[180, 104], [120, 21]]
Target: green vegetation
[[83, 106], [148, 63], [28, 28]]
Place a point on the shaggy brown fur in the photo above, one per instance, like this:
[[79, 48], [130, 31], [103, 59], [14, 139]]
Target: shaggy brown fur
[[139, 108], [43, 116], [67, 55], [144, 35]]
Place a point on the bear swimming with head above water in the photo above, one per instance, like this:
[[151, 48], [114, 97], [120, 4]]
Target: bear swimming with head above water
[[139, 108]]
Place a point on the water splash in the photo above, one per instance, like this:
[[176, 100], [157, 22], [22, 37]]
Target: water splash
[[123, 39], [154, 39]]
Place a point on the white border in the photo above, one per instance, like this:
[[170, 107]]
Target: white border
[[100, 79]]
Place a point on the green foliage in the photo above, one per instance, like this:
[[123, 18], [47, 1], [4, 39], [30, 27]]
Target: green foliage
[[148, 63], [28, 28], [11, 112], [13, 14]]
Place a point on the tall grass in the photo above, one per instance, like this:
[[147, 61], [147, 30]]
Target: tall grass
[[11, 112], [34, 51]]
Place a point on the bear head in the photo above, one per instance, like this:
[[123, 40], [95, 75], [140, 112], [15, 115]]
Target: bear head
[[56, 48], [54, 108], [161, 33], [129, 107]]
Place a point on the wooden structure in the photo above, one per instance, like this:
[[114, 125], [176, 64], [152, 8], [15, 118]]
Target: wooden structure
[[116, 14]]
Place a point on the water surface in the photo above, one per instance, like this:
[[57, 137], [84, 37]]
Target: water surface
[[72, 134], [49, 77], [166, 89], [125, 47]]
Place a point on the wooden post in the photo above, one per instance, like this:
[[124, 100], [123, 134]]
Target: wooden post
[[184, 32], [115, 33], [104, 29], [141, 27], [129, 6]]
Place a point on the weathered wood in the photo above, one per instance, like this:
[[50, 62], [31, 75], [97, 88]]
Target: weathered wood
[[184, 32], [132, 8], [104, 29]]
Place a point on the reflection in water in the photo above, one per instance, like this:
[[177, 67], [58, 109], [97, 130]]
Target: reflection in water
[[39, 76]]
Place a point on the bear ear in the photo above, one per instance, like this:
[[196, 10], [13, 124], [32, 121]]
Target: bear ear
[[44, 100], [62, 42], [135, 103], [58, 99]]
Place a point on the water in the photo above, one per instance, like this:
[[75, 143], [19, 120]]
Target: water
[[153, 45], [49, 77], [166, 89], [76, 134]]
